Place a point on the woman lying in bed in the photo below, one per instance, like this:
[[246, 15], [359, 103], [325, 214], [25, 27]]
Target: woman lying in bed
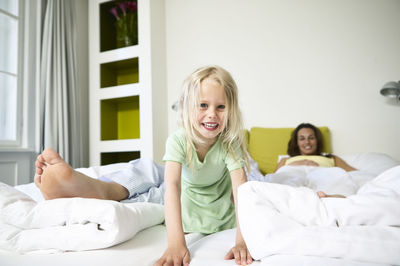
[[305, 148]]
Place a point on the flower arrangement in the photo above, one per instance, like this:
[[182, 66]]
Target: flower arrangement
[[125, 14]]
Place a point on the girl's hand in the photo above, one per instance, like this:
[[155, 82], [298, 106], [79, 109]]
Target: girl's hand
[[240, 253], [174, 256]]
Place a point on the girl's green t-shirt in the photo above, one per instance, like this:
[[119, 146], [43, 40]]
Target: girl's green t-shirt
[[206, 190]]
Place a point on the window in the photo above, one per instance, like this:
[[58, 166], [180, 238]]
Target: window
[[9, 92]]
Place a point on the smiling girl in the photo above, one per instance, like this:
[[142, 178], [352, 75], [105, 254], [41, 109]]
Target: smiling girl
[[205, 162]]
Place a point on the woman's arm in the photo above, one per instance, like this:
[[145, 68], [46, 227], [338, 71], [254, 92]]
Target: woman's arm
[[280, 164], [239, 252], [177, 252], [339, 162]]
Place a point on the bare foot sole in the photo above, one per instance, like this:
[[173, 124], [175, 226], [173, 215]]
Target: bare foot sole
[[322, 194], [57, 179]]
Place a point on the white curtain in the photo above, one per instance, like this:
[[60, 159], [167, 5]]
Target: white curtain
[[59, 102]]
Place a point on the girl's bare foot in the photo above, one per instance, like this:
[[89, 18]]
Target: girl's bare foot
[[57, 179], [322, 194]]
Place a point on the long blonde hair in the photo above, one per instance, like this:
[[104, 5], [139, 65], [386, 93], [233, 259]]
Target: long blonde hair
[[232, 135]]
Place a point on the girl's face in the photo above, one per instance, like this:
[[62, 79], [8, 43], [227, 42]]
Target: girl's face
[[307, 141], [211, 115]]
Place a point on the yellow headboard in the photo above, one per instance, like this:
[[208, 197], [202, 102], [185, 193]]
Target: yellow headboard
[[266, 144]]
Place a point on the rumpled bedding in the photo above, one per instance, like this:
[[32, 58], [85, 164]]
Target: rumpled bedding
[[282, 219], [69, 224], [331, 180]]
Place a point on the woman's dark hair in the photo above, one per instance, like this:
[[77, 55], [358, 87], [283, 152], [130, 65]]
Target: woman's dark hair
[[293, 148]]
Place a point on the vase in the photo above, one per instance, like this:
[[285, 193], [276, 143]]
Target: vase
[[126, 30]]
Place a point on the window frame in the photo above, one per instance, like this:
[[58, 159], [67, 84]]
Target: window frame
[[18, 18], [27, 76]]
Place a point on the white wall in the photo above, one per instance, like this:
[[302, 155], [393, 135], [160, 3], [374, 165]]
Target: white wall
[[314, 61]]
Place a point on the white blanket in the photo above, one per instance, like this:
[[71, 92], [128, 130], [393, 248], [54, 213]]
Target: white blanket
[[331, 180], [69, 224], [281, 219]]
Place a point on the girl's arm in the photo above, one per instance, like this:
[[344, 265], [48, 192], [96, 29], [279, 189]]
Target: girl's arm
[[342, 164], [177, 252], [239, 252]]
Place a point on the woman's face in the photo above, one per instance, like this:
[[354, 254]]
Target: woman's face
[[307, 141]]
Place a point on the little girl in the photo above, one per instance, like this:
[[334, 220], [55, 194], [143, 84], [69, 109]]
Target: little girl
[[200, 157]]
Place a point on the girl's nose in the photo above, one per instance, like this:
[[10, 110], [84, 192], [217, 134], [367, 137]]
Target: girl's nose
[[211, 112]]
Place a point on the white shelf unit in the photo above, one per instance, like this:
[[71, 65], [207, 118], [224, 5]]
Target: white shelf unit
[[128, 119]]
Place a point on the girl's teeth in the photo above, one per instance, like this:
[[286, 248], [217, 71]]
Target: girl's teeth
[[210, 125]]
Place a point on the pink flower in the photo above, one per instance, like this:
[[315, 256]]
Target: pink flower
[[114, 12], [123, 6], [132, 6]]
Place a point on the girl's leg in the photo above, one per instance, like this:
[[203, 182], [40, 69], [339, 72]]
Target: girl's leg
[[57, 179]]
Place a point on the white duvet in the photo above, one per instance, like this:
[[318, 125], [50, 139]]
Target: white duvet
[[282, 219], [69, 224]]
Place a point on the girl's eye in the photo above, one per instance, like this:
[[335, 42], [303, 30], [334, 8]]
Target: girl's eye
[[221, 106], [203, 105]]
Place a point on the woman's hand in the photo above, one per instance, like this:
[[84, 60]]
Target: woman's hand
[[240, 253], [174, 256], [304, 162]]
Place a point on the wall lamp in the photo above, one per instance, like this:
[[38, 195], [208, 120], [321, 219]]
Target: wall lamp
[[175, 106], [391, 89]]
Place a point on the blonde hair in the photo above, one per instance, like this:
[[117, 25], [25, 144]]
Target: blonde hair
[[232, 135]]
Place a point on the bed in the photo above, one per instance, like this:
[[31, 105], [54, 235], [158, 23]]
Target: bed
[[135, 234]]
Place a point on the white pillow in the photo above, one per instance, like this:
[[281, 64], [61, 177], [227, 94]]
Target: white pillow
[[371, 162]]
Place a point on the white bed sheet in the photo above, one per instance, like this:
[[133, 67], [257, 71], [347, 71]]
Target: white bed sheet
[[210, 249], [143, 249], [148, 245]]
